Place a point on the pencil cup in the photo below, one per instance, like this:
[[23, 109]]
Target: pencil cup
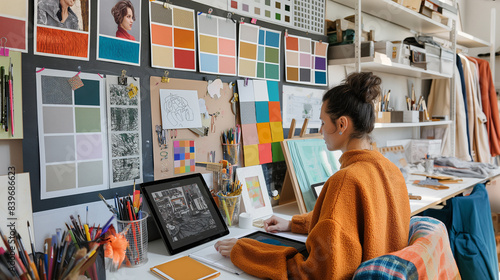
[[137, 237], [229, 207], [429, 166], [231, 153]]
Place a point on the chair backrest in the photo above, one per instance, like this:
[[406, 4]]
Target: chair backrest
[[427, 256]]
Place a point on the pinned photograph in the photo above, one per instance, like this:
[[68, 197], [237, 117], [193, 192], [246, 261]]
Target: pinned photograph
[[62, 28], [119, 31]]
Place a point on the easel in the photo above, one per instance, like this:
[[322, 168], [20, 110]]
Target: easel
[[291, 191]]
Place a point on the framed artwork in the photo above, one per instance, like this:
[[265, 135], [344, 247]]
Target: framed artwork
[[254, 192], [184, 211]]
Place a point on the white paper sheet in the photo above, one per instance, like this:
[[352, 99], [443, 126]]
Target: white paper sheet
[[179, 109], [300, 103]]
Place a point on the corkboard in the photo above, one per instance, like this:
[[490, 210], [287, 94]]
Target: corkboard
[[163, 167]]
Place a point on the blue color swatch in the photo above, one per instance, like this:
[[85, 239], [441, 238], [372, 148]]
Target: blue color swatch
[[209, 63], [272, 39], [262, 111], [119, 50], [273, 91]]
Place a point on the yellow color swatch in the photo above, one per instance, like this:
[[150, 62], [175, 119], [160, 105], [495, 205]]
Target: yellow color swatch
[[162, 56], [251, 154], [246, 68], [277, 132], [208, 44], [17, 9]]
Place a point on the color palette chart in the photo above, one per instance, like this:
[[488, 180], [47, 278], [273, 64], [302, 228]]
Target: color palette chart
[[261, 121], [14, 25], [72, 134], [70, 39], [275, 11], [310, 15], [124, 130], [173, 37], [184, 156], [216, 45], [259, 52], [306, 61]]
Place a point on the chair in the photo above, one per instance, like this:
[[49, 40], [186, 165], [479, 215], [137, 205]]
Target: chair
[[427, 256]]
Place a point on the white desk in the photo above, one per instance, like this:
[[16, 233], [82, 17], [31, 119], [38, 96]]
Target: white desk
[[158, 254], [432, 197]]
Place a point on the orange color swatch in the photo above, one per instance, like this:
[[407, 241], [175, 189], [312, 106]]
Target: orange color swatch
[[161, 35], [62, 42]]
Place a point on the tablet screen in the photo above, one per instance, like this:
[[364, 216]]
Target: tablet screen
[[184, 211]]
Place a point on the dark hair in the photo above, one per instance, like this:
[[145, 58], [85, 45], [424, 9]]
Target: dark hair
[[119, 11], [354, 98]]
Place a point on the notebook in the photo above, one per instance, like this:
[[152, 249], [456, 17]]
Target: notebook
[[185, 268]]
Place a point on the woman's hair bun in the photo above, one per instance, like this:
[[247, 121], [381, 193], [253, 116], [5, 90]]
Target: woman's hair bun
[[365, 85]]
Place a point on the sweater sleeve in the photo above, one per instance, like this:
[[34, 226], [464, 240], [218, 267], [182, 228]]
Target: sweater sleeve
[[301, 223], [333, 254]]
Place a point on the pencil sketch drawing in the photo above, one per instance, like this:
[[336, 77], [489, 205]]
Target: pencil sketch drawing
[[184, 211], [125, 144], [118, 95], [126, 169], [180, 109]]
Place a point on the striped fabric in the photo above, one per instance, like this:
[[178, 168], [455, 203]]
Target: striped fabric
[[427, 256]]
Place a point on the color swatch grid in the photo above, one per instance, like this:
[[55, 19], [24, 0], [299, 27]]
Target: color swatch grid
[[172, 37], [70, 39], [309, 15], [184, 156], [14, 25], [274, 11], [306, 61], [72, 134], [259, 52], [216, 45], [261, 122], [124, 130]]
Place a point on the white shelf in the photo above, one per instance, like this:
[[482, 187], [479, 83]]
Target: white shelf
[[398, 14], [465, 40], [385, 65], [399, 125]]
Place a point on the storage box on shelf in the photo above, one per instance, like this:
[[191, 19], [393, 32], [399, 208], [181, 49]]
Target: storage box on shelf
[[433, 57], [446, 67]]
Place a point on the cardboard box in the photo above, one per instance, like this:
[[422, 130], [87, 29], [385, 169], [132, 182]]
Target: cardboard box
[[397, 116], [400, 53], [347, 51], [382, 117], [412, 4]]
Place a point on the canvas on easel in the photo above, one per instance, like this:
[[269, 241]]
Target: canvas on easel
[[308, 163]]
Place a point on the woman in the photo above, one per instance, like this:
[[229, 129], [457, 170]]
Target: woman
[[124, 15], [362, 212], [57, 13]]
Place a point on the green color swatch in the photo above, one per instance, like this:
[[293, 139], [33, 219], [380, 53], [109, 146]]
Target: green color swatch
[[88, 119]]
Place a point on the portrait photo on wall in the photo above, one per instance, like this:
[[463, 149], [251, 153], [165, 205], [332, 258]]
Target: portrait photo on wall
[[184, 211], [119, 31], [62, 28]]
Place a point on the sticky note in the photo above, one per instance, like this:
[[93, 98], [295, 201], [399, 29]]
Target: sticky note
[[274, 112], [249, 132], [277, 151], [262, 111]]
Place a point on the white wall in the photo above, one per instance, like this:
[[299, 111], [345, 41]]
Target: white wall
[[476, 21]]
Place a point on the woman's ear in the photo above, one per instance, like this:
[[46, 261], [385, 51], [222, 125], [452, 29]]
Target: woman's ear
[[342, 122]]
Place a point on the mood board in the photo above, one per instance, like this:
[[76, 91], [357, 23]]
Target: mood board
[[188, 74], [175, 151]]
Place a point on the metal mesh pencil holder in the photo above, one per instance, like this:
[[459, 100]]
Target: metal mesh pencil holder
[[137, 237]]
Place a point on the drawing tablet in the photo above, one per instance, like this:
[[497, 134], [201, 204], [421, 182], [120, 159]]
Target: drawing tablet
[[184, 211], [273, 239]]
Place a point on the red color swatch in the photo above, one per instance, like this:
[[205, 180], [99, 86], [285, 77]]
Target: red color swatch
[[15, 32], [292, 43], [62, 42], [265, 153], [234, 4], [274, 111], [184, 59]]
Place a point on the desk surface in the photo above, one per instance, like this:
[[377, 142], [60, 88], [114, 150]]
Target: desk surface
[[157, 253]]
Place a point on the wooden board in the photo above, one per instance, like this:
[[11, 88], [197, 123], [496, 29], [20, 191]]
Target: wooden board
[[225, 120]]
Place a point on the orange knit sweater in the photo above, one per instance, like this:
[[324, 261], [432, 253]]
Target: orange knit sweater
[[362, 212]]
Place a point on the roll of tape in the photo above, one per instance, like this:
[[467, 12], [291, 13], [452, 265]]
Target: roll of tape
[[245, 220]]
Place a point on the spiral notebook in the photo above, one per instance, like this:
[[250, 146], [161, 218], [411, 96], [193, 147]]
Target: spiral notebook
[[185, 268]]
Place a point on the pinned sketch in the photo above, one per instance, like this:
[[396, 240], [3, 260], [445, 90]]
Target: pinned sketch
[[300, 103], [179, 109], [124, 130]]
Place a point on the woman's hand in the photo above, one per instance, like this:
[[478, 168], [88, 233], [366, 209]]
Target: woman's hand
[[275, 224], [225, 246]]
